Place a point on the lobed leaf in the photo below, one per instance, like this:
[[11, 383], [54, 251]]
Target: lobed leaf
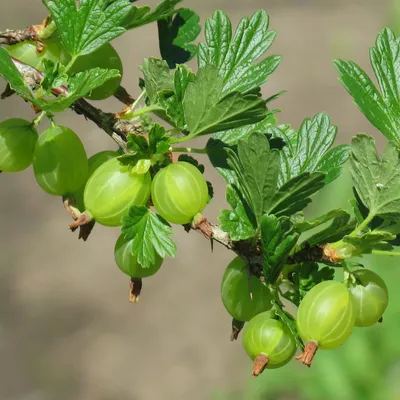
[[238, 221], [314, 223], [150, 235], [376, 181], [207, 110], [157, 78], [278, 238], [374, 240], [86, 26], [295, 194], [175, 36], [382, 108], [78, 86], [11, 74], [341, 225], [139, 16], [235, 58], [309, 149], [257, 184]]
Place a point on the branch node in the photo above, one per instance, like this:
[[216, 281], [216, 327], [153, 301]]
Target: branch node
[[202, 225]]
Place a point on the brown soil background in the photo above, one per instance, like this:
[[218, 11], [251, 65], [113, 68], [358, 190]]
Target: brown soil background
[[67, 331]]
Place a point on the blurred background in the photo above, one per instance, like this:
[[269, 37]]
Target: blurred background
[[67, 331]]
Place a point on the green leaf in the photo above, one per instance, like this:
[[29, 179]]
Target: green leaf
[[54, 76], [340, 226], [385, 60], [366, 97], [307, 275], [139, 16], [236, 58], [173, 104], [157, 78], [85, 28], [150, 235], [256, 184], [208, 111], [79, 86], [158, 141], [220, 141], [175, 36], [237, 221], [374, 240], [308, 150], [376, 181], [137, 143], [218, 155], [255, 169], [11, 74], [331, 163], [290, 322], [278, 238], [382, 108], [295, 194], [232, 136], [314, 223]]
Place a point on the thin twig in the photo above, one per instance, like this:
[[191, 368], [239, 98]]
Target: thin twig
[[9, 37], [123, 96], [114, 127]]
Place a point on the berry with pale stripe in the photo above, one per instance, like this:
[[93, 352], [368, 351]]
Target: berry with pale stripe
[[268, 342], [370, 296], [242, 294], [325, 318], [59, 161], [112, 190], [179, 192]]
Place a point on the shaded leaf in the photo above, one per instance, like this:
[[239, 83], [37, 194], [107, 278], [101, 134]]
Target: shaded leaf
[[313, 223], [139, 16], [278, 238], [175, 36], [341, 225], [236, 222], [295, 194]]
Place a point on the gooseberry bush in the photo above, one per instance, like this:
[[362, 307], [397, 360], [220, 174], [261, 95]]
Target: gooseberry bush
[[281, 287]]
